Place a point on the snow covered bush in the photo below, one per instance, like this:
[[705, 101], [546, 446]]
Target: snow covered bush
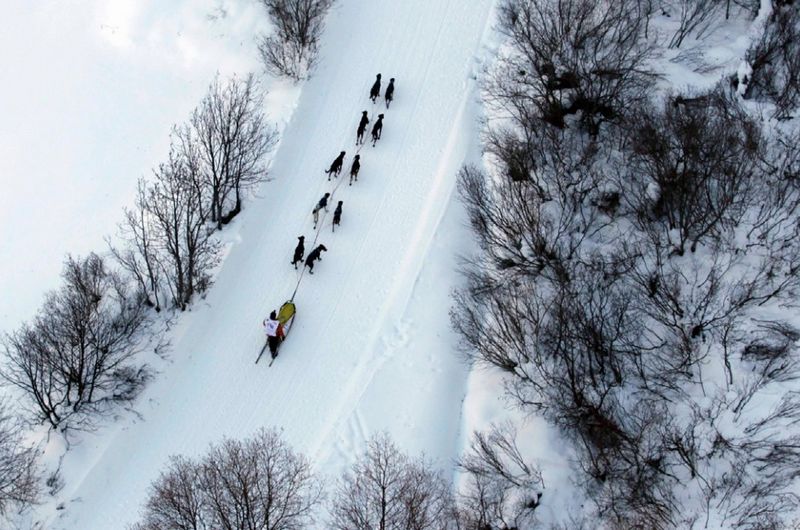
[[77, 356], [502, 490], [291, 50], [775, 60], [570, 57], [19, 471], [700, 154], [258, 483], [386, 489], [656, 363]]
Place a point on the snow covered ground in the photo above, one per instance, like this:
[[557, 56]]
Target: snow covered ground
[[97, 86], [371, 349]]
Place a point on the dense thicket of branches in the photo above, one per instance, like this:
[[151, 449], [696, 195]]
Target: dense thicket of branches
[[255, 484], [621, 284], [571, 57], [77, 355], [696, 164], [291, 49]]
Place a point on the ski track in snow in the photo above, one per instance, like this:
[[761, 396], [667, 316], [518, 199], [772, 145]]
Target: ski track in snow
[[351, 365]]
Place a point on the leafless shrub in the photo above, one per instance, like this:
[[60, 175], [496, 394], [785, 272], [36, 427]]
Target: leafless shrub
[[176, 501], [187, 249], [139, 255], [77, 356], [775, 61], [779, 195], [569, 57], [776, 341], [258, 484], [385, 489], [225, 146], [695, 18], [291, 50], [749, 477], [19, 472], [693, 167], [503, 490], [582, 291]]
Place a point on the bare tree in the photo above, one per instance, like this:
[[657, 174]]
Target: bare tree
[[695, 164], [139, 254], [571, 57], [77, 356], [257, 484], [175, 501], [775, 61], [185, 244], [291, 50], [386, 490], [19, 471], [695, 18], [503, 490], [226, 145]]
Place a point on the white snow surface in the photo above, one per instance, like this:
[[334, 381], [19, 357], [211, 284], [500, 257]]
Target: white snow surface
[[371, 349]]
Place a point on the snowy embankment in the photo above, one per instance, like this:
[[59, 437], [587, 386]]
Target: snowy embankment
[[371, 348], [695, 68], [91, 89]]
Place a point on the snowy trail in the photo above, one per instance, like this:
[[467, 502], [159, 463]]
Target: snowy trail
[[336, 379]]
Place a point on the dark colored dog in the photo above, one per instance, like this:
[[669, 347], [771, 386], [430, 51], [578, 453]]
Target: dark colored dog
[[314, 256], [389, 92], [377, 129], [362, 126], [354, 169], [336, 166], [299, 250], [337, 216], [375, 91]]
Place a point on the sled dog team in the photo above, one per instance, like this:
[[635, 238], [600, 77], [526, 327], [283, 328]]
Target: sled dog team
[[273, 327]]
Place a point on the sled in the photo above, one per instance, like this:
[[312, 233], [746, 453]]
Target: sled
[[285, 316]]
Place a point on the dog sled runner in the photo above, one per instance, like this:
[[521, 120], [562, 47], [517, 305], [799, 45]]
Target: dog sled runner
[[285, 316]]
